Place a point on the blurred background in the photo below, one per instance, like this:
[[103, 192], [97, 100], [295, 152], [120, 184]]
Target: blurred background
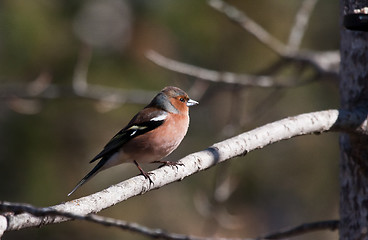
[[73, 73]]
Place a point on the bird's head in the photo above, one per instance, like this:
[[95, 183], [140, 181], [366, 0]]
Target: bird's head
[[173, 100]]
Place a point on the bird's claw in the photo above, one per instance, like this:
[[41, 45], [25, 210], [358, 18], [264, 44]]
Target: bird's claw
[[146, 175], [168, 163]]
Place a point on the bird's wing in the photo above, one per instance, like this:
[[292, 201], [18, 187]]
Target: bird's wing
[[145, 121]]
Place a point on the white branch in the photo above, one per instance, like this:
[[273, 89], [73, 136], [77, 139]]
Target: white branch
[[80, 83], [301, 23], [308, 123], [287, 51], [3, 225], [250, 26], [225, 77]]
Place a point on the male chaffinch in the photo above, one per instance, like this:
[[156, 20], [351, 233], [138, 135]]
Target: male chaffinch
[[152, 134]]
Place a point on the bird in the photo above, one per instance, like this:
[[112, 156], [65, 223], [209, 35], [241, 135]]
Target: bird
[[151, 135]]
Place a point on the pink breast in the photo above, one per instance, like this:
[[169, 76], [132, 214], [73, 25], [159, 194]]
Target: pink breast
[[158, 143]]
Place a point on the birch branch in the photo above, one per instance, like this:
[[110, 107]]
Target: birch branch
[[316, 122]]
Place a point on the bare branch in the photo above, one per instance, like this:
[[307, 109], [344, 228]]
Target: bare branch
[[301, 23], [304, 228], [105, 221], [198, 89], [81, 70], [316, 122], [17, 208], [25, 98], [40, 84], [215, 76], [3, 225], [326, 63], [9, 92], [250, 26]]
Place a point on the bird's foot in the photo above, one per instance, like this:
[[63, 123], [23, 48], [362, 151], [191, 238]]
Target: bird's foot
[[144, 173], [168, 163]]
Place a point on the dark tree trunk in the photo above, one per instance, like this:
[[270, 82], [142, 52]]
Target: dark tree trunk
[[354, 148]]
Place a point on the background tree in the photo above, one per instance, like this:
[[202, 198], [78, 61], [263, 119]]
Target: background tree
[[353, 165]]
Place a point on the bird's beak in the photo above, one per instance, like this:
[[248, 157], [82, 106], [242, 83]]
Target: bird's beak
[[191, 103]]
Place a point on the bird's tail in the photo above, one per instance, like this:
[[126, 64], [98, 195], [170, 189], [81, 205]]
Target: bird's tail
[[93, 172]]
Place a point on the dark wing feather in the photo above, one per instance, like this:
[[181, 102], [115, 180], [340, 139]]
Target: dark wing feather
[[139, 125], [113, 145]]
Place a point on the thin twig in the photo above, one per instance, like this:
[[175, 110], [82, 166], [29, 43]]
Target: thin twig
[[8, 208], [325, 63], [304, 228], [301, 24], [93, 92], [224, 77], [17, 208], [250, 26], [81, 69]]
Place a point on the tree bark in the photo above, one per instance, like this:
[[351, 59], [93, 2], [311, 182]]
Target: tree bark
[[354, 147]]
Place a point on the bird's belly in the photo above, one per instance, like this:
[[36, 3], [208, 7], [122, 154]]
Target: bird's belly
[[152, 147]]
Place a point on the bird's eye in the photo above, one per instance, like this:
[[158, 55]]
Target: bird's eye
[[182, 100]]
